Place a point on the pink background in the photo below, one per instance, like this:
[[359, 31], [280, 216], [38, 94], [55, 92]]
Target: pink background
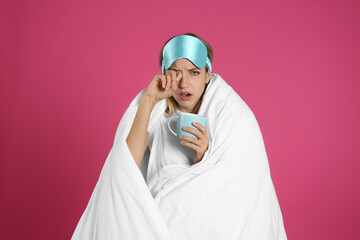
[[69, 70]]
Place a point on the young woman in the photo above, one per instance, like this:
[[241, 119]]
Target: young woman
[[183, 85]]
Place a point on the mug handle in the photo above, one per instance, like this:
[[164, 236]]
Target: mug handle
[[171, 118]]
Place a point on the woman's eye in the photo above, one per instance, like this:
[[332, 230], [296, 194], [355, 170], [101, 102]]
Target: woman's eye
[[196, 72]]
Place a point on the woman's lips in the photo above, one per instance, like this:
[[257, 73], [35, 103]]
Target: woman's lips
[[185, 98]]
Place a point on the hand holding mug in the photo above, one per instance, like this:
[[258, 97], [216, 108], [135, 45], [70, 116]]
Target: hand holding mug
[[191, 132], [199, 145]]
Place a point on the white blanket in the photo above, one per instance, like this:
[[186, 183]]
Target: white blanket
[[228, 195]]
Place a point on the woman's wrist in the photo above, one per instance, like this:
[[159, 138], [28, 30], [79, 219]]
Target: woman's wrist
[[149, 100]]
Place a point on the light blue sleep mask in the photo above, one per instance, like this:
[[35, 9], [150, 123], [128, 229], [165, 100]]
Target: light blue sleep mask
[[185, 46]]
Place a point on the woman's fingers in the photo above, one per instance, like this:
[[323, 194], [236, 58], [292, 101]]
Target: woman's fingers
[[163, 81], [178, 76], [173, 79], [168, 82], [201, 127], [173, 75], [191, 145], [196, 132], [189, 139]]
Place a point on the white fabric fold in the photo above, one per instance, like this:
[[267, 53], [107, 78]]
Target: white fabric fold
[[229, 194]]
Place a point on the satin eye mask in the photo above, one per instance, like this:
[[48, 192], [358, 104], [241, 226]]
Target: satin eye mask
[[185, 46]]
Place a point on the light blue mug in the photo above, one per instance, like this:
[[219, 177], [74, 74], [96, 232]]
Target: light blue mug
[[186, 120]]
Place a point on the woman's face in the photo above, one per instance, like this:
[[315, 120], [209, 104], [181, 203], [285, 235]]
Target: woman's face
[[192, 81]]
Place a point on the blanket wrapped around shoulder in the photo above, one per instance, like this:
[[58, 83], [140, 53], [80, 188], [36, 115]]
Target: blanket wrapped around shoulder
[[228, 195]]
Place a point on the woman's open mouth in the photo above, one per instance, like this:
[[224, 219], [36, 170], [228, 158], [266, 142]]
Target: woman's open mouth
[[185, 96]]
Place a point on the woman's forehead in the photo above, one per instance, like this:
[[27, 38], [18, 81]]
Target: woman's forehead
[[183, 62]]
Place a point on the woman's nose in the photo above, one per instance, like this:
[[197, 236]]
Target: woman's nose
[[183, 82]]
